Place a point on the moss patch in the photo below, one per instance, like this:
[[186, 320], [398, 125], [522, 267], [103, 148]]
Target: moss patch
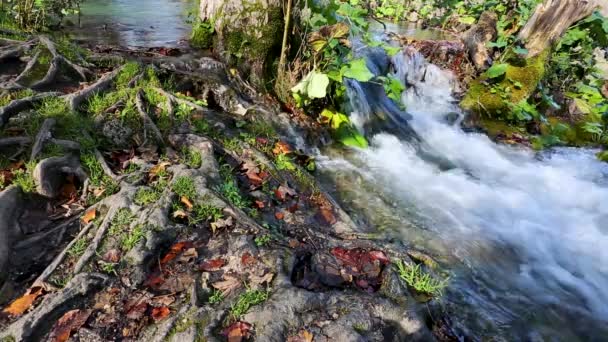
[[202, 35], [480, 98]]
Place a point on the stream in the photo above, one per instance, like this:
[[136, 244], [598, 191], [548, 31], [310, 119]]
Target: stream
[[523, 236]]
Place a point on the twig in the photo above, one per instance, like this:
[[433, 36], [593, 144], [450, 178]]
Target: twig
[[59, 258], [101, 232]]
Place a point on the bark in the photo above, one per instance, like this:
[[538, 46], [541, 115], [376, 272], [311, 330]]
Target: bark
[[552, 18]]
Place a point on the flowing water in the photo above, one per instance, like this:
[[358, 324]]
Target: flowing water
[[134, 23], [524, 235]]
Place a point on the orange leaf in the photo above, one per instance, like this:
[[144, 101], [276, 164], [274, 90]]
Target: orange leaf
[[89, 216], [187, 202], [159, 313], [176, 249], [281, 148], [20, 305], [160, 167], [279, 215], [70, 322]]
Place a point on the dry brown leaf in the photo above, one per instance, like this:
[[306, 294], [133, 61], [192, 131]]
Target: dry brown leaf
[[238, 331], [212, 265], [113, 256], [221, 223], [227, 285], [70, 322], [98, 192], [186, 202], [160, 167], [159, 313], [180, 214], [188, 255], [89, 216], [281, 148], [20, 305], [255, 280]]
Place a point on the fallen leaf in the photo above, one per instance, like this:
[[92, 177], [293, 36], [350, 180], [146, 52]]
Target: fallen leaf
[[20, 305], [327, 216], [255, 280], [113, 256], [212, 265], [159, 313], [227, 285], [247, 259], [159, 168], [70, 322], [175, 250], [163, 300], [293, 243], [238, 331], [188, 255], [186, 202], [281, 147], [180, 214], [259, 204], [137, 305], [69, 190], [279, 215], [221, 223], [98, 192], [302, 336], [89, 216], [283, 191]]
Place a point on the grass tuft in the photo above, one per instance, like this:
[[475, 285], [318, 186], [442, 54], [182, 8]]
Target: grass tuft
[[422, 282]]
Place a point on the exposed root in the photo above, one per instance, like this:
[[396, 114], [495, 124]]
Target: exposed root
[[43, 136], [74, 100], [16, 106], [99, 235], [59, 258], [56, 63], [16, 83], [174, 99], [5, 142], [147, 121]]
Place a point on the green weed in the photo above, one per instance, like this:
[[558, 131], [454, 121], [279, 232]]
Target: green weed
[[132, 238], [24, 178], [262, 240], [422, 282], [191, 158], [283, 162], [129, 71], [216, 297], [184, 186], [246, 300], [78, 247], [205, 212], [145, 196]]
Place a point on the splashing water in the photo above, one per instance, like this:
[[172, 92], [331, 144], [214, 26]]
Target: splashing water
[[528, 232]]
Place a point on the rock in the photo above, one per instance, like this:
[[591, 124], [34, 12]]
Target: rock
[[50, 174], [477, 37], [248, 34], [117, 133]]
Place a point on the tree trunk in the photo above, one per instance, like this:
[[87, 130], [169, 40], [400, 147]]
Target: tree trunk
[[552, 18]]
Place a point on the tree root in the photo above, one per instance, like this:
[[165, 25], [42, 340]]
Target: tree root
[[16, 106], [99, 235], [43, 136], [16, 83], [59, 258], [147, 121], [15, 141], [74, 100], [56, 63], [176, 100]]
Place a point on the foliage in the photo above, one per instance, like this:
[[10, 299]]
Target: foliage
[[78, 247], [422, 282], [216, 297], [205, 212], [192, 158], [38, 14], [202, 34], [246, 300], [24, 178], [184, 186], [262, 240], [132, 238], [145, 196]]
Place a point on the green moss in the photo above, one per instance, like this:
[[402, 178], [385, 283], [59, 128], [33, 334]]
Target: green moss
[[603, 156], [202, 35], [480, 98], [256, 42]]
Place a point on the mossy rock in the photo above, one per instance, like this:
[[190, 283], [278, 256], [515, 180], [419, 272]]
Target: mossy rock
[[481, 100], [247, 34]]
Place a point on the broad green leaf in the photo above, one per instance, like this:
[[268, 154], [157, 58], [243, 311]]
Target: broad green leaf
[[391, 50], [583, 106], [497, 70], [468, 20], [520, 51], [317, 87], [357, 69]]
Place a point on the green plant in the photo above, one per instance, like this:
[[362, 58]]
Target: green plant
[[205, 212], [145, 196], [128, 72], [246, 300], [192, 158], [202, 34], [24, 178], [262, 240], [283, 162], [78, 247], [184, 186], [121, 221], [132, 238], [422, 282], [216, 297], [108, 267]]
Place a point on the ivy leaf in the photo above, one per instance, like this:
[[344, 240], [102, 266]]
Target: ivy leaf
[[314, 85], [391, 50], [497, 70], [357, 69]]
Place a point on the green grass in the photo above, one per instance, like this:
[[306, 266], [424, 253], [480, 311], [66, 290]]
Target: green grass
[[121, 221], [132, 238], [231, 192], [216, 297], [129, 71], [191, 158], [232, 144], [145, 196], [246, 300], [184, 186], [108, 267], [205, 212], [24, 178], [78, 247], [422, 282], [262, 129], [262, 240], [97, 177]]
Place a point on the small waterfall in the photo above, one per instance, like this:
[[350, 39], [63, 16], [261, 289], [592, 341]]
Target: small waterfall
[[532, 229]]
